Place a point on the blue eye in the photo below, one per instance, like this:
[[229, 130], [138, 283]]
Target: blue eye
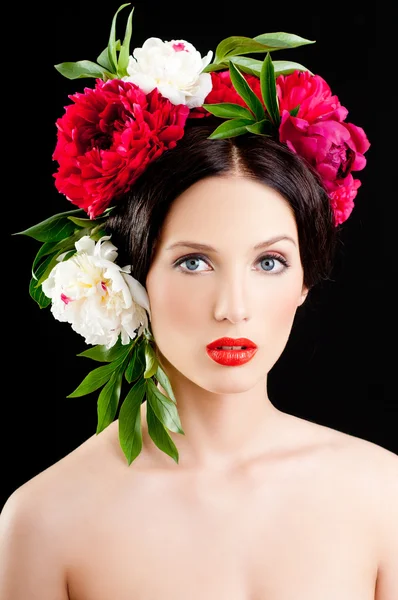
[[190, 263], [269, 262], [272, 263]]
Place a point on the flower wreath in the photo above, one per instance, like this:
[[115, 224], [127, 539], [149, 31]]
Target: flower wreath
[[108, 135]]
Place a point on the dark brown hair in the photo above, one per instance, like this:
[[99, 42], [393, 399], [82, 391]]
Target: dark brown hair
[[136, 221]]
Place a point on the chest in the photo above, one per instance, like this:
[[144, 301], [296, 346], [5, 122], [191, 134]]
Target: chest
[[271, 541]]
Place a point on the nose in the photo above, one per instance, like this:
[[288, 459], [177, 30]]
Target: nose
[[232, 298]]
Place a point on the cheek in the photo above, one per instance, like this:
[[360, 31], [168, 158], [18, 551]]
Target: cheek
[[278, 304], [285, 307], [174, 307]]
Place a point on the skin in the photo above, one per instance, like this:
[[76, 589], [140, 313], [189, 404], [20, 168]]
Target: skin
[[232, 291], [262, 504]]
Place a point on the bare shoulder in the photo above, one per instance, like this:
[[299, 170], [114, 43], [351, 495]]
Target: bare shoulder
[[347, 447], [38, 522], [365, 476], [56, 486], [375, 469], [50, 500], [366, 471]]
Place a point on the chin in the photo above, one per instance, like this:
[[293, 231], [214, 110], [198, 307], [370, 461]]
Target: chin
[[219, 379], [215, 378]]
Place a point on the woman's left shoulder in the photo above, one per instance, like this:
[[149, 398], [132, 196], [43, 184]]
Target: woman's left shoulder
[[376, 459], [365, 456], [371, 466], [367, 470], [374, 472]]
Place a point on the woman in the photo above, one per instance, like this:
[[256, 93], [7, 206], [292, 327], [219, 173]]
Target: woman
[[227, 237]]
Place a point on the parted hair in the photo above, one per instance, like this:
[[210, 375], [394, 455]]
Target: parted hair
[[136, 221]]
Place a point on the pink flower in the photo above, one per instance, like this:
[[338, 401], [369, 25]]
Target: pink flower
[[319, 134], [312, 94], [107, 138], [342, 198]]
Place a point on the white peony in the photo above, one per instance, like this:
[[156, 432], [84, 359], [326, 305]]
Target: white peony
[[99, 298], [174, 67]]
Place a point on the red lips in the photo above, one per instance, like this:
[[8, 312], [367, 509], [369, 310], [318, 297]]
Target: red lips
[[231, 358], [227, 341]]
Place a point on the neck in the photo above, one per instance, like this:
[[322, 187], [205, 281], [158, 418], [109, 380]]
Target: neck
[[221, 429]]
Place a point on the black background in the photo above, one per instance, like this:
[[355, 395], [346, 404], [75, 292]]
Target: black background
[[332, 371]]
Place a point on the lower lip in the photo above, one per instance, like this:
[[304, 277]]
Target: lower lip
[[231, 358]]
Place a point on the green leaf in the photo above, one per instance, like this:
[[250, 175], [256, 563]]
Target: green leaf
[[159, 435], [103, 60], [228, 110], [58, 249], [53, 229], [124, 53], [215, 67], [151, 362], [285, 67], [230, 128], [266, 42], [136, 366], [164, 408], [234, 45], [102, 354], [112, 43], [37, 292], [82, 69], [244, 90], [263, 127], [108, 400], [130, 431], [268, 90], [50, 264], [69, 242], [294, 111], [281, 40], [44, 250], [86, 223], [96, 379], [252, 66], [97, 234], [165, 383]]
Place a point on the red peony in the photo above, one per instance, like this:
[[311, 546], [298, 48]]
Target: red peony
[[319, 134], [107, 138], [223, 91]]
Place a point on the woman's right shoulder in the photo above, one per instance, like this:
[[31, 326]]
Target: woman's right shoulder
[[38, 523], [51, 495]]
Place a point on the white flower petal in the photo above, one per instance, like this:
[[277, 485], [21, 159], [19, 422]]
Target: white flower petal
[[92, 293], [138, 292], [106, 250], [85, 244], [175, 96], [204, 85], [174, 67], [145, 82]]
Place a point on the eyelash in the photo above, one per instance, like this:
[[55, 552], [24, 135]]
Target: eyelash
[[277, 257]]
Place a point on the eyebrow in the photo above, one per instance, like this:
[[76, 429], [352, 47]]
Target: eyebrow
[[207, 248]]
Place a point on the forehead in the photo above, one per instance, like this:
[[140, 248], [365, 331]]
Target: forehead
[[228, 209]]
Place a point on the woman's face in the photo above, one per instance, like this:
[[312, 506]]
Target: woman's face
[[199, 295]]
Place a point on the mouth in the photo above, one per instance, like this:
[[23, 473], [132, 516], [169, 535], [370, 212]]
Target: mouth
[[231, 352], [227, 343]]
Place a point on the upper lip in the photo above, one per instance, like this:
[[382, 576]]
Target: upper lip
[[227, 341]]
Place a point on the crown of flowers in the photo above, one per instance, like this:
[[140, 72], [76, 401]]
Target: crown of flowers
[[106, 138]]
